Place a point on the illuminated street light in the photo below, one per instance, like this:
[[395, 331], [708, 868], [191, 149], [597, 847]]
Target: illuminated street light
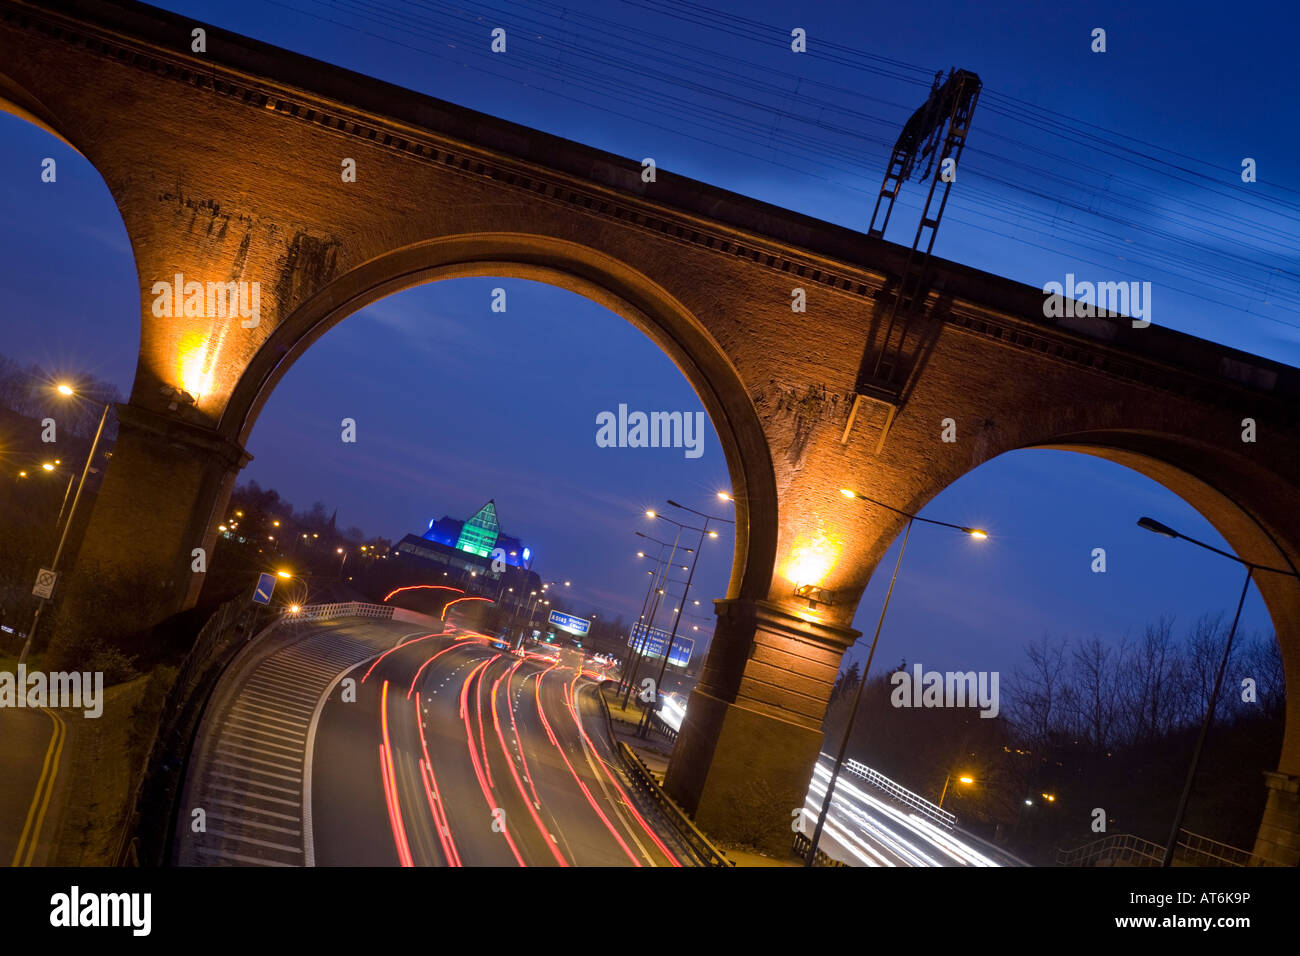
[[283, 574], [725, 496], [966, 779], [48, 466], [1156, 527], [644, 729], [66, 390]]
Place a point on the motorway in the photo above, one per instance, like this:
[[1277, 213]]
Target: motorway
[[359, 743], [868, 827]]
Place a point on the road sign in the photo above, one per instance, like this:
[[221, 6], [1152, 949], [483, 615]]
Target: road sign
[[265, 587], [45, 583], [567, 622], [654, 646]]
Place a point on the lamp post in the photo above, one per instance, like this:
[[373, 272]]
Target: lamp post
[[58, 552], [966, 779], [635, 647], [644, 729], [661, 589], [857, 697], [1150, 524]]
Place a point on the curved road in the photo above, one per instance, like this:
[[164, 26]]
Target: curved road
[[457, 753], [363, 743]]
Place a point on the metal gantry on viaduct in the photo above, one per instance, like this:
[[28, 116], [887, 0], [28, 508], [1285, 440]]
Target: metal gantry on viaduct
[[226, 168]]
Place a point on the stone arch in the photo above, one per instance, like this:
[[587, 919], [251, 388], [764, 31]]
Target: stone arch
[[1254, 508], [576, 268]]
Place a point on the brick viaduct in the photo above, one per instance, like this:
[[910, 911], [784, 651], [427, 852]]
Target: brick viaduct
[[225, 166]]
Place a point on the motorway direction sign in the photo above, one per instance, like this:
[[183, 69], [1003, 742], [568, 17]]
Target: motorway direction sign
[[265, 587], [45, 583], [683, 647], [567, 622]]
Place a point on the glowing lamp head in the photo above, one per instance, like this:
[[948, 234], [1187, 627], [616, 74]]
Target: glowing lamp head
[[294, 608], [976, 533], [65, 389], [48, 466], [966, 780], [846, 493], [650, 513], [724, 496], [283, 574]]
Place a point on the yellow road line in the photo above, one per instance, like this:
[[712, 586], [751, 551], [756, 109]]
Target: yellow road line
[[44, 790]]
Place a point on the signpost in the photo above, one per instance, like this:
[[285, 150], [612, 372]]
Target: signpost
[[567, 622], [45, 579], [653, 645], [265, 588]]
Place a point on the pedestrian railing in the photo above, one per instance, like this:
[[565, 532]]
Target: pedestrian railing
[[900, 793], [325, 612], [1127, 849]]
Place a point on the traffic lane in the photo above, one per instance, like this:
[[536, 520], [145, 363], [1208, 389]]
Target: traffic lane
[[351, 822], [584, 819], [580, 830], [579, 718], [592, 805], [25, 739]]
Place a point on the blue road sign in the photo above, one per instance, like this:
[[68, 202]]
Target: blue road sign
[[265, 586], [567, 622], [683, 647]]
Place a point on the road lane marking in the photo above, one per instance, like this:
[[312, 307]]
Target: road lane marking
[[44, 789]]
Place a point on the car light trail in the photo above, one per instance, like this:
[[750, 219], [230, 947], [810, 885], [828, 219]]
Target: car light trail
[[537, 690], [436, 807], [515, 728], [397, 648], [416, 678], [622, 793], [448, 606], [496, 724], [863, 810], [473, 756], [390, 784], [418, 587]]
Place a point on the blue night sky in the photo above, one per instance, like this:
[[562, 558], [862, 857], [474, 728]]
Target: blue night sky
[[1119, 166]]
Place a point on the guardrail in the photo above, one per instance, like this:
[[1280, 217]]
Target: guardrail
[[801, 844], [708, 854], [644, 780], [901, 793], [1127, 849]]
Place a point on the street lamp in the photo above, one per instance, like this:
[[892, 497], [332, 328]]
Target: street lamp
[[634, 647], [660, 588], [644, 729], [857, 697], [965, 779], [1150, 524], [67, 390]]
